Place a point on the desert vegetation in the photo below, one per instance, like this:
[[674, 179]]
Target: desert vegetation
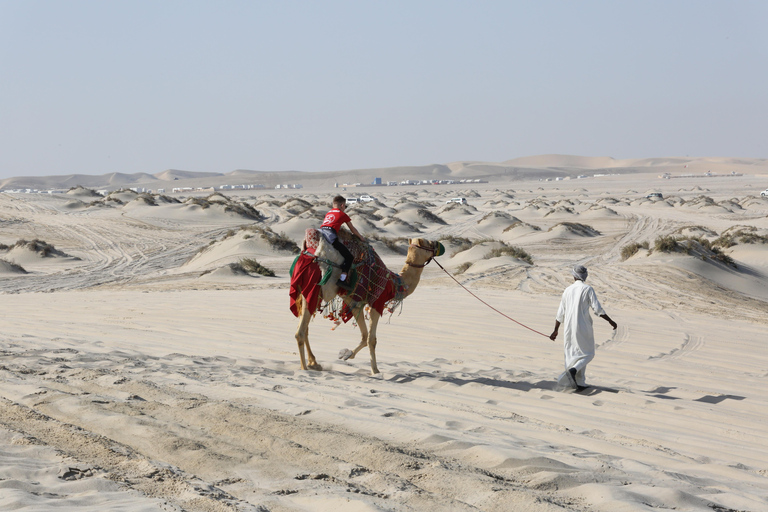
[[463, 267], [506, 249], [630, 250], [577, 228], [520, 224], [462, 243], [511, 250], [666, 243], [42, 248], [251, 266], [243, 209], [394, 244], [740, 235], [147, 199], [494, 215], [11, 266], [81, 190], [693, 245], [430, 217], [278, 241]]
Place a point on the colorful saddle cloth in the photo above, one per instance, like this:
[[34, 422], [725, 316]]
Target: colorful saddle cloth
[[375, 285], [305, 280]]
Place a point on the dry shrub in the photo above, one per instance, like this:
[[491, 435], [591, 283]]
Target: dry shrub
[[42, 248], [430, 217], [252, 266], [463, 267], [693, 245], [665, 244], [630, 250], [393, 244], [511, 250], [744, 235]]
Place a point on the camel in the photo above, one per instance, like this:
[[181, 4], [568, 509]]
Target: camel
[[420, 253]]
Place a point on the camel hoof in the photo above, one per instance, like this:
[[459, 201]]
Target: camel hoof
[[316, 367], [345, 354]]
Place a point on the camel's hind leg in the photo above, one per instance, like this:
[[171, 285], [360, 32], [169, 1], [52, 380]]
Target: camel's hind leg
[[302, 336], [368, 338], [358, 313]]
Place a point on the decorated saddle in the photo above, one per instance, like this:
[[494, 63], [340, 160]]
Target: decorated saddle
[[374, 284]]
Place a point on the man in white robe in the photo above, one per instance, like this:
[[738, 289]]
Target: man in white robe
[[578, 337]]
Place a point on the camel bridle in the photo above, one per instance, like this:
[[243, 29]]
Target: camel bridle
[[428, 249]]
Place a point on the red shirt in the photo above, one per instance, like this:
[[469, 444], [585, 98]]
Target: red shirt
[[335, 219]]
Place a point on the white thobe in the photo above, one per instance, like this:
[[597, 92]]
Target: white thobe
[[578, 336]]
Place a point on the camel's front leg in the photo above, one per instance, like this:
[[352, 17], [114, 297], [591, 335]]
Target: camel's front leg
[[360, 318], [302, 336], [372, 339]]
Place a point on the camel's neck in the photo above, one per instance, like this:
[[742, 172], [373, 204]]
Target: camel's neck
[[411, 277]]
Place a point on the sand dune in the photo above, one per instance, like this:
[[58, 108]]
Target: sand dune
[[34, 254], [245, 244], [496, 223], [9, 267], [83, 192], [154, 373]]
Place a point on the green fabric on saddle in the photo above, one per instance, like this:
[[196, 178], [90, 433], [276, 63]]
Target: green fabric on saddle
[[326, 275]]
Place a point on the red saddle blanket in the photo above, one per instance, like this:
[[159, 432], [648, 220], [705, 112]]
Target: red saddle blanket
[[305, 280]]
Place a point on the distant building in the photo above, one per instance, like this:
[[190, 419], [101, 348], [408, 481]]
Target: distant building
[[376, 181]]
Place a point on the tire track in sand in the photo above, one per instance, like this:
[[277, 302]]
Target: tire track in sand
[[191, 449]]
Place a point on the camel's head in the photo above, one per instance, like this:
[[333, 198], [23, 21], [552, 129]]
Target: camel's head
[[421, 251]]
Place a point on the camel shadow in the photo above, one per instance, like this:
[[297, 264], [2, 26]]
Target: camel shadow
[[592, 390], [525, 386], [484, 381]]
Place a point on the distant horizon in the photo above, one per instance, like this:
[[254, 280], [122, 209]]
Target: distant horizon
[[522, 168], [223, 173]]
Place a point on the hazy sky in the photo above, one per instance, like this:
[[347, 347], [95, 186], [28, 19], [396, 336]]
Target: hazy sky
[[142, 86]]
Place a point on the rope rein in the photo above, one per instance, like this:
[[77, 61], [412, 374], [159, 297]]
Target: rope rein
[[493, 308]]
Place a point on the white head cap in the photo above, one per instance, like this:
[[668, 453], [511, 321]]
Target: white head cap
[[580, 272]]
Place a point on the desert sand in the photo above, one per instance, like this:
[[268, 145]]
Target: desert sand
[[142, 369]]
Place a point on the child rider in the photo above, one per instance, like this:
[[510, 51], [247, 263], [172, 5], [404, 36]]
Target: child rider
[[333, 221]]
